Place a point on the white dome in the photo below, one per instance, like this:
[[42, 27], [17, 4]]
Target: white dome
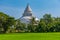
[[26, 19], [36, 19]]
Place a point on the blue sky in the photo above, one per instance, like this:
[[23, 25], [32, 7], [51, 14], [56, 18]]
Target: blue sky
[[16, 8]]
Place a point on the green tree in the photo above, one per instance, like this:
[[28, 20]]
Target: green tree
[[20, 26], [32, 26], [57, 24], [5, 21], [46, 23]]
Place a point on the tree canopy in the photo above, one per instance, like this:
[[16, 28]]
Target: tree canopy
[[46, 24]]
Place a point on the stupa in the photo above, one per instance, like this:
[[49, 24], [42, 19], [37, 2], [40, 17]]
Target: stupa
[[27, 15]]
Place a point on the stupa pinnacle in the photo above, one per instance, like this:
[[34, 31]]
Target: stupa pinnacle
[[28, 11]]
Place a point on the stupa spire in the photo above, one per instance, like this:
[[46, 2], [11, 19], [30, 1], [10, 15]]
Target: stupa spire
[[28, 11]]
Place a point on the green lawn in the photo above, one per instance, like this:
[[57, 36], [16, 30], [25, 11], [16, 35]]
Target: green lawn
[[30, 36]]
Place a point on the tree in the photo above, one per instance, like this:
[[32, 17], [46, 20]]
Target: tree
[[5, 21], [20, 26], [46, 23], [32, 26], [57, 24], [10, 23], [3, 18]]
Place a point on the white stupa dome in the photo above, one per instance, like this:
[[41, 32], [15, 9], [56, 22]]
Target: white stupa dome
[[36, 19], [26, 19]]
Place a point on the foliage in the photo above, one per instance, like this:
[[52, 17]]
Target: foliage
[[5, 21], [46, 24]]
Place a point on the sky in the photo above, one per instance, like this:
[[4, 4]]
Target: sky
[[15, 8]]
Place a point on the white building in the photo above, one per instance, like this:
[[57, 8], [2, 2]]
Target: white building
[[27, 15]]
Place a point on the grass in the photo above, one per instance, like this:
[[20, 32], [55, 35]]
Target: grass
[[30, 36]]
